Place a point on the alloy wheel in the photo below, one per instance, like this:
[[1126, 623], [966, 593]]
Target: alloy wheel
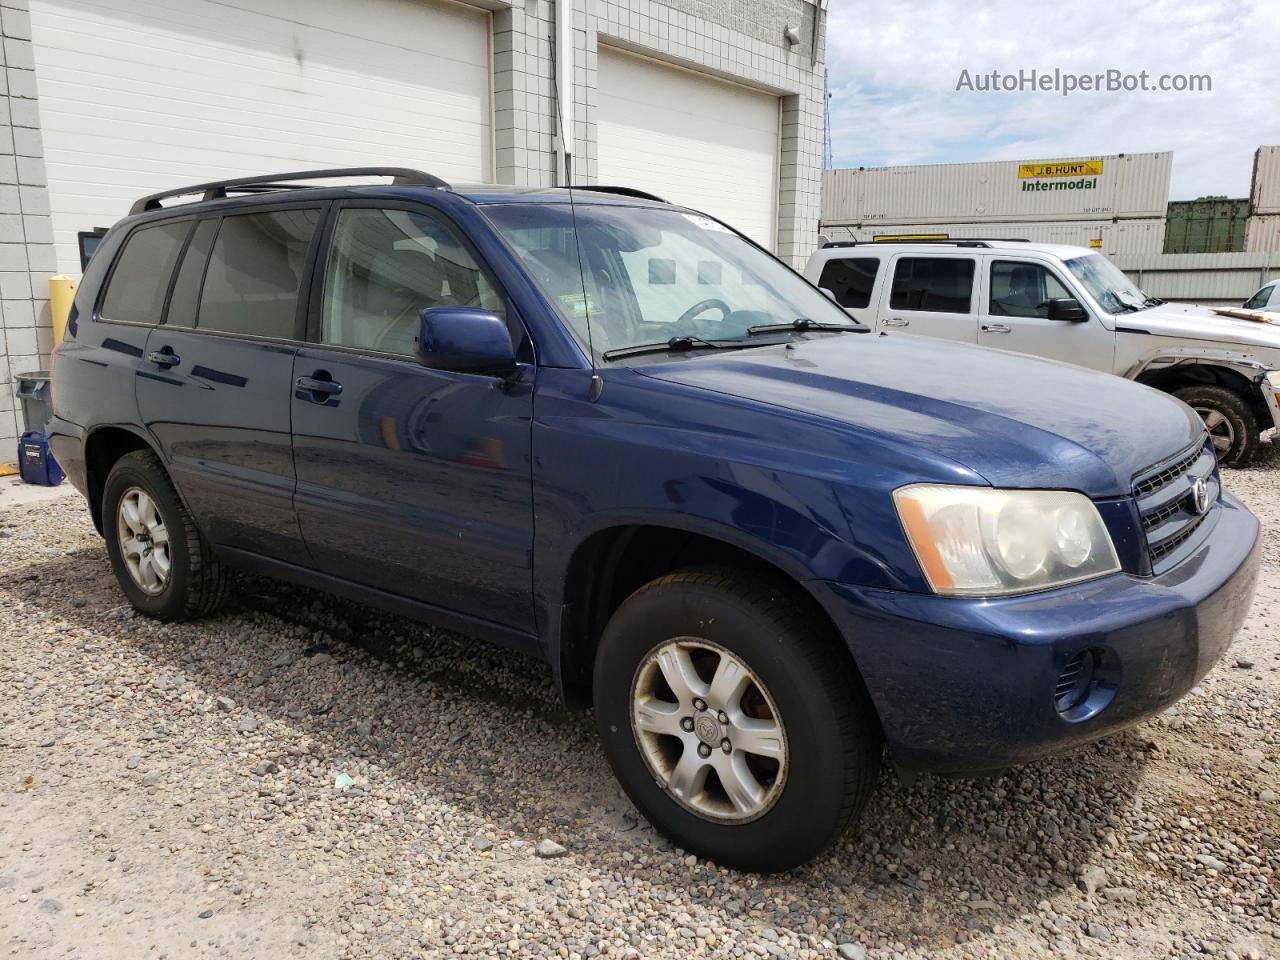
[[1221, 431], [143, 540], [708, 730]]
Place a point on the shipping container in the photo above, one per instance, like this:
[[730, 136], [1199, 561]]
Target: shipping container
[[1131, 236], [1264, 195], [1263, 234], [1206, 225], [1127, 186]]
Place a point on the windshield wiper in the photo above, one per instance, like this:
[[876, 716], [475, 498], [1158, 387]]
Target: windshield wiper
[[1152, 302], [804, 323], [682, 342]]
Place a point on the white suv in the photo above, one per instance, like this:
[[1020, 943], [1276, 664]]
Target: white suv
[[1065, 303]]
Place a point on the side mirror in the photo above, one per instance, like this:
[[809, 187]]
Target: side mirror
[[464, 340], [1067, 309], [830, 295]]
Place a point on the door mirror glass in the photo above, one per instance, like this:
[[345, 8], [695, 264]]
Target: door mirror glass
[[464, 340], [1068, 309]]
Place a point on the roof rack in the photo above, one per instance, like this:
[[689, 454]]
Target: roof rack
[[956, 242], [620, 191], [219, 189]]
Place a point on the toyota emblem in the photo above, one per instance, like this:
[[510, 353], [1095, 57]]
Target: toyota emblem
[[1200, 496]]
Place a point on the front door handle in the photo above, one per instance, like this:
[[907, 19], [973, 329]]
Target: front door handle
[[164, 358], [318, 389], [996, 328], [896, 322]]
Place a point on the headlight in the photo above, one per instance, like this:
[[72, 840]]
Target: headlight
[[975, 541]]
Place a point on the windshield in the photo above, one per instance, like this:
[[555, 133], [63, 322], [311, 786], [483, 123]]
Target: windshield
[[654, 274], [1114, 292]]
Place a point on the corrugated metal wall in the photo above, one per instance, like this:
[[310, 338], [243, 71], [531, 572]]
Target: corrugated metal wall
[[1207, 225], [1219, 279], [1132, 185]]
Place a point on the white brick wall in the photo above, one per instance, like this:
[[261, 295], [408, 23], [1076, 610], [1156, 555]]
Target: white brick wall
[[26, 235]]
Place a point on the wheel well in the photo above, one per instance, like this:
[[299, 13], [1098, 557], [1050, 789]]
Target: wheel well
[[1174, 378], [612, 564], [103, 448]]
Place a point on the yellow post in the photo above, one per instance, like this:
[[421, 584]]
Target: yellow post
[[62, 291]]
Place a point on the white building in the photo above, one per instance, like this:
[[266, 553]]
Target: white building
[[712, 103]]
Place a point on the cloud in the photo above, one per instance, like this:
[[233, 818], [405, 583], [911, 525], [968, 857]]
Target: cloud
[[893, 69]]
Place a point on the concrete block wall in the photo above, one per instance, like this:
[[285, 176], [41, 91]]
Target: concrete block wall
[[26, 234]]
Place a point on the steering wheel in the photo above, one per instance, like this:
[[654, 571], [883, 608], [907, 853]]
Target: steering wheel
[[702, 306]]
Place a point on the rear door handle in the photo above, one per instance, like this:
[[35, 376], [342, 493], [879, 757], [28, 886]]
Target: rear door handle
[[164, 358], [316, 389], [996, 328], [896, 322]]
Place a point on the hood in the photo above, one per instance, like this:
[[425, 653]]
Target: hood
[[1196, 322], [1016, 421]]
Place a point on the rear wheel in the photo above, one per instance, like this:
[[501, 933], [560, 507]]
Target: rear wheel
[[159, 557], [733, 720], [1232, 426]]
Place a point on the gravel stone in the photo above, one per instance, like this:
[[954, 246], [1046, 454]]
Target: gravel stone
[[150, 807], [547, 849]]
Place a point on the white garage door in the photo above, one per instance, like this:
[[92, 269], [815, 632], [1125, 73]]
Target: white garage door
[[140, 95], [690, 139]]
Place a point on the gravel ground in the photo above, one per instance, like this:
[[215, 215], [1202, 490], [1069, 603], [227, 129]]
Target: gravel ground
[[299, 777]]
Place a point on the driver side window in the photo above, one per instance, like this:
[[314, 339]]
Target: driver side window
[[1021, 289], [385, 267]]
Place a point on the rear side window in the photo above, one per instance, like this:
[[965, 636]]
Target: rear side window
[[140, 280], [932, 284], [850, 280], [255, 270]]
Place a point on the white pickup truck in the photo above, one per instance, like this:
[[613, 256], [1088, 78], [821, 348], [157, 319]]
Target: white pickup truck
[[1065, 303]]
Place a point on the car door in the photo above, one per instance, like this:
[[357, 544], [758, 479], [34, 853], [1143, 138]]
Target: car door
[[411, 480], [216, 396], [1015, 316], [851, 281], [931, 296]]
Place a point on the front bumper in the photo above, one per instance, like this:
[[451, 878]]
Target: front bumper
[[967, 685]]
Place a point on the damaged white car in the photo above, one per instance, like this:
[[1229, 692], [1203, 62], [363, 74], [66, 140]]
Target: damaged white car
[[1071, 304]]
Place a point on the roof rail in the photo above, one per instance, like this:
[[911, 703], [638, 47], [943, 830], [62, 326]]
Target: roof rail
[[621, 191], [218, 189], [954, 242]]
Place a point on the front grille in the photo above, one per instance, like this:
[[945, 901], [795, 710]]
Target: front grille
[[1166, 503]]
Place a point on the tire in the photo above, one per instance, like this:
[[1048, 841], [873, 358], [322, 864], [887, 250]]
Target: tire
[[195, 582], [831, 740], [1230, 422]]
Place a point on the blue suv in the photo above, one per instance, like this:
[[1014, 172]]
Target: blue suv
[[767, 547]]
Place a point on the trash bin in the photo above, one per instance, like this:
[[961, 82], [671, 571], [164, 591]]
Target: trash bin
[[37, 403]]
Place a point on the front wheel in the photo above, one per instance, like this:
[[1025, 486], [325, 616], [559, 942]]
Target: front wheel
[[734, 720], [1232, 426]]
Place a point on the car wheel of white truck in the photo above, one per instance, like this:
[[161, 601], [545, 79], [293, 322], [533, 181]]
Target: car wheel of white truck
[[1231, 424]]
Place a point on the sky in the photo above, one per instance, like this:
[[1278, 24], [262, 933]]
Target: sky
[[894, 65]]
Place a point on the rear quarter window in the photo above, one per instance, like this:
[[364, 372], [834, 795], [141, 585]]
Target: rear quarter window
[[140, 279], [850, 280]]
